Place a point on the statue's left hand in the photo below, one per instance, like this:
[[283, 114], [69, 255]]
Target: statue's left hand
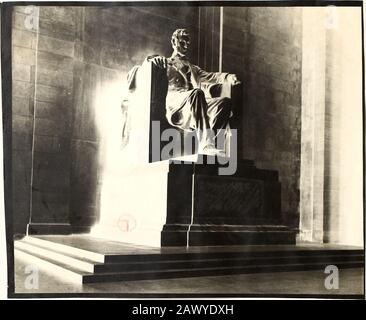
[[233, 79], [159, 61]]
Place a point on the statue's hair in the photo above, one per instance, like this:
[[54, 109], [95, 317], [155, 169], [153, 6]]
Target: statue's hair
[[178, 33]]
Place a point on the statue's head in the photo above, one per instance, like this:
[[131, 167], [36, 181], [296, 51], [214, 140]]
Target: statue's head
[[180, 41]]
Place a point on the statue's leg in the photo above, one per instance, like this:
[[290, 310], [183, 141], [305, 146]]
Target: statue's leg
[[192, 114], [219, 112], [188, 110], [200, 120]]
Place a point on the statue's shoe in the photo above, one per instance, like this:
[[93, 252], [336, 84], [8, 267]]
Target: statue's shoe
[[210, 150]]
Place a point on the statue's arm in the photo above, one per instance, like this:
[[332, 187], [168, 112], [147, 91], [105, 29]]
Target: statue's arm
[[215, 77], [210, 77]]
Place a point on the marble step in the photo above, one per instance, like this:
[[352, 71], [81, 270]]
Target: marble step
[[204, 272], [82, 270], [61, 270], [68, 272], [231, 262], [67, 249], [137, 254], [186, 260], [68, 259], [220, 255]]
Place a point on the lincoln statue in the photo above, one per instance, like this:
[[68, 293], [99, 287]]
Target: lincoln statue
[[189, 106]]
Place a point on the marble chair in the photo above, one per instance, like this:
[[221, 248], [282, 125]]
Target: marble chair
[[149, 84]]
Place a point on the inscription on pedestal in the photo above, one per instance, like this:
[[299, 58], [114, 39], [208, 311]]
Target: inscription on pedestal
[[227, 200]]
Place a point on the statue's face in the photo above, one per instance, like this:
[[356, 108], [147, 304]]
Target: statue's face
[[181, 44]]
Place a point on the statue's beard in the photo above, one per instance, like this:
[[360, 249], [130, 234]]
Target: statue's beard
[[178, 51], [182, 54]]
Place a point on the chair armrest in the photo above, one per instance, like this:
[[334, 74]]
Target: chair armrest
[[218, 90], [159, 84]]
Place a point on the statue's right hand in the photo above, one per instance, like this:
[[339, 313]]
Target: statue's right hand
[[159, 61]]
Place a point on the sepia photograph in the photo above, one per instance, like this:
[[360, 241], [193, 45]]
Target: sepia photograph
[[183, 149]]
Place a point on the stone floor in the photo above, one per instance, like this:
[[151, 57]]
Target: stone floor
[[305, 282]]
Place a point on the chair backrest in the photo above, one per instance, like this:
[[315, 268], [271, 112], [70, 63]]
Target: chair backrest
[[143, 114]]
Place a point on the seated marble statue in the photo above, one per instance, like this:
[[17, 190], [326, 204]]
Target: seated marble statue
[[189, 106]]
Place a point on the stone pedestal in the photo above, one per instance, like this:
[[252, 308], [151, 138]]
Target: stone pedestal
[[244, 208], [190, 204]]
